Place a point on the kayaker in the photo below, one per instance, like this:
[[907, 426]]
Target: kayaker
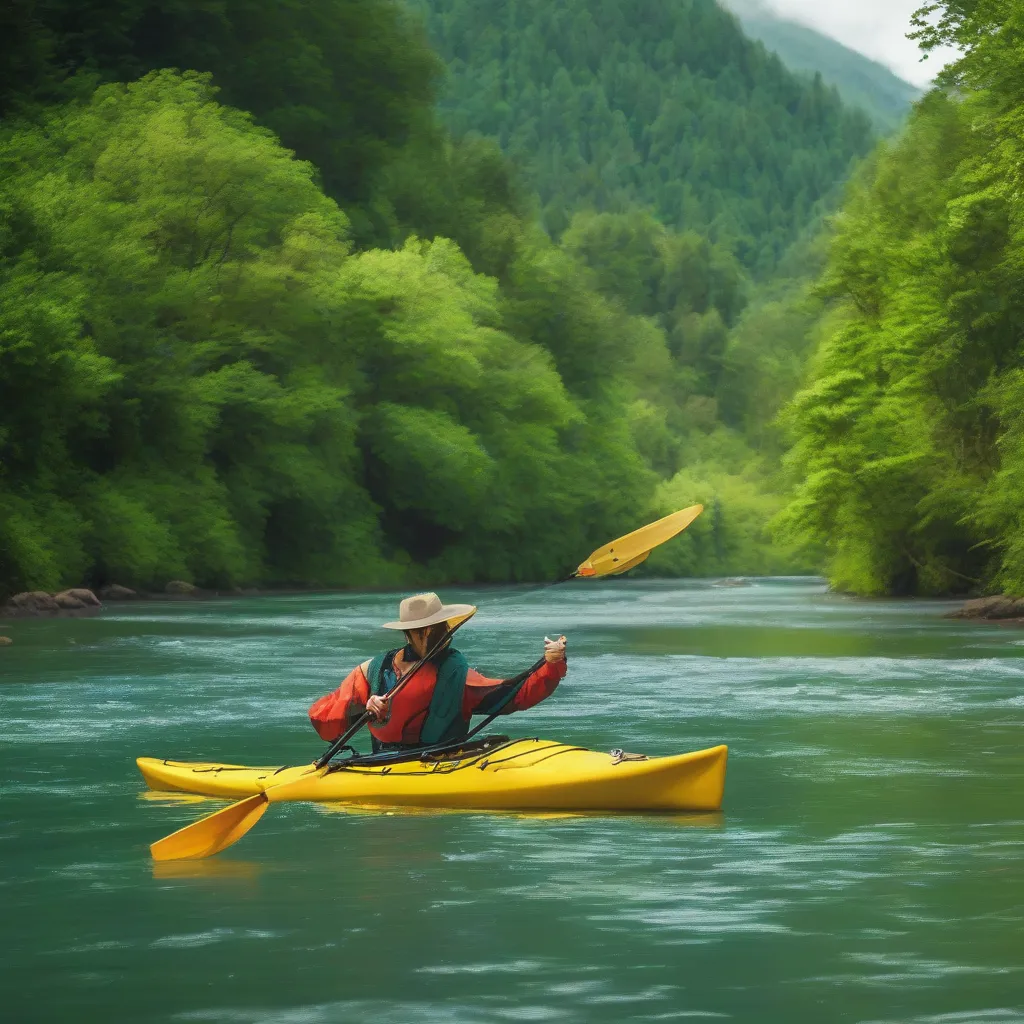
[[437, 703]]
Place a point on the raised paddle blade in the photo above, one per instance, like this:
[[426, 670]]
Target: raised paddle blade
[[629, 565], [453, 624], [625, 552], [213, 833]]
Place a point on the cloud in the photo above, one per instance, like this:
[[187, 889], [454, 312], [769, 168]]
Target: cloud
[[876, 28]]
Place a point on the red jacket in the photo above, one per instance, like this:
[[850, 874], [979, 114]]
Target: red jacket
[[332, 714]]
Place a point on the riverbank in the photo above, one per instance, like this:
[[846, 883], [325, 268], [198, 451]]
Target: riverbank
[[997, 608], [78, 601]]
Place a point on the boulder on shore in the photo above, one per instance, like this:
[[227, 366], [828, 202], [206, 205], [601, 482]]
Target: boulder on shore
[[999, 606], [39, 602], [33, 602], [180, 588], [115, 592]]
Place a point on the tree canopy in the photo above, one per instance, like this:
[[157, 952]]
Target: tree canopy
[[907, 438], [264, 320], [202, 379]]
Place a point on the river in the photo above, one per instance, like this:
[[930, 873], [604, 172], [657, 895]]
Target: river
[[868, 864]]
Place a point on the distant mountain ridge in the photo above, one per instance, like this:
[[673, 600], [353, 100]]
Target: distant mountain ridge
[[662, 104], [861, 82]]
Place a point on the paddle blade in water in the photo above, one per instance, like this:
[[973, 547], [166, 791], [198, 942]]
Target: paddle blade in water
[[625, 552], [213, 833]]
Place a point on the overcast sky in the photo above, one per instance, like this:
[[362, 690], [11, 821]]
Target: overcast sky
[[876, 28]]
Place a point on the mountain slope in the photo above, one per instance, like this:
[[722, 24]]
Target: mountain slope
[[666, 105], [861, 81]]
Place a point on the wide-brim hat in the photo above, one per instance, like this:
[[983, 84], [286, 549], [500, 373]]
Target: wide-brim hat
[[423, 610]]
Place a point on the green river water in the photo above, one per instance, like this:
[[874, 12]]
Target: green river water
[[868, 864]]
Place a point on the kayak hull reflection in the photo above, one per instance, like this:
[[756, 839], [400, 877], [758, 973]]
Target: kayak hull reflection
[[527, 774]]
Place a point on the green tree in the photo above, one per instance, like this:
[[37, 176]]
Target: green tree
[[344, 83], [201, 377], [904, 436]]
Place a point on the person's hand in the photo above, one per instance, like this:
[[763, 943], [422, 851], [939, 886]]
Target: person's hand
[[554, 650], [377, 707]]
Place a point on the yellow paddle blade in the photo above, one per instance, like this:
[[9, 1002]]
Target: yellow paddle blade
[[622, 554], [629, 565], [453, 624], [215, 832]]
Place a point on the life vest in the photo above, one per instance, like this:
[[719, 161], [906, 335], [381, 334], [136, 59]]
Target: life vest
[[443, 722]]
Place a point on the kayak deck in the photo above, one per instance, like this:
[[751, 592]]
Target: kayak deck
[[525, 774]]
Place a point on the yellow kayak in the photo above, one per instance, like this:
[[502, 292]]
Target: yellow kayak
[[526, 774]]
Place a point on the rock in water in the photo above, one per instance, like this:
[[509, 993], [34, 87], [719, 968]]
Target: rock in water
[[83, 594], [179, 587], [5, 641], [115, 592]]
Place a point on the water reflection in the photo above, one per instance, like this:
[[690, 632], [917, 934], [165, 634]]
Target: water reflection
[[217, 868], [714, 819], [159, 796]]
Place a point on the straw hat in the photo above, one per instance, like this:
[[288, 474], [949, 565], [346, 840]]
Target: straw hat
[[422, 610]]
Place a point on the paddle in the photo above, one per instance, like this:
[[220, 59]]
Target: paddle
[[219, 830]]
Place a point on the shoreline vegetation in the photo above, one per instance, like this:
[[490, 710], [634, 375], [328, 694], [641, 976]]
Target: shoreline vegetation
[[906, 453], [238, 349], [81, 601]]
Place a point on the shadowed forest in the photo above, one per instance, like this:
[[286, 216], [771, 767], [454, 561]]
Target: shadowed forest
[[348, 293]]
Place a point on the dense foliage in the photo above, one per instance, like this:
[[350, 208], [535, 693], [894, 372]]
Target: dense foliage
[[678, 161], [342, 82], [663, 104], [202, 379], [908, 436], [359, 359]]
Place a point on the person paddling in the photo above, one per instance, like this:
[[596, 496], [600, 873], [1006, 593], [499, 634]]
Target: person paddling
[[436, 704]]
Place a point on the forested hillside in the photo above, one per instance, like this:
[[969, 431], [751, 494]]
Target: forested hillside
[[662, 103], [861, 82], [265, 321], [908, 438], [203, 380]]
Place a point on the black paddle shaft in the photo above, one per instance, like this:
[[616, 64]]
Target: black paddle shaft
[[365, 716]]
